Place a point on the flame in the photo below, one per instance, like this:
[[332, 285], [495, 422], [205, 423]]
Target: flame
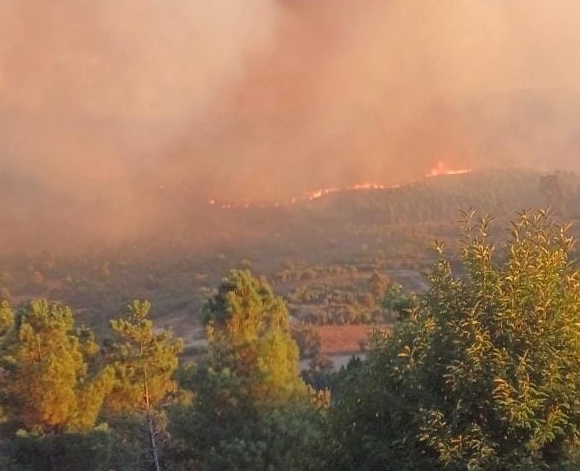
[[309, 196], [442, 169], [439, 170], [356, 187], [242, 205]]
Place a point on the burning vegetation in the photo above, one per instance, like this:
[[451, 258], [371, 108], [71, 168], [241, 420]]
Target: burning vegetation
[[441, 169]]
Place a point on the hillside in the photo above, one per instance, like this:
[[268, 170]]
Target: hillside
[[339, 224], [319, 254]]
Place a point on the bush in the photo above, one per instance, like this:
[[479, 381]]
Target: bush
[[482, 374]]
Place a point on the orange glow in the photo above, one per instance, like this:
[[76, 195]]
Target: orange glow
[[327, 191], [309, 196], [442, 169], [439, 170]]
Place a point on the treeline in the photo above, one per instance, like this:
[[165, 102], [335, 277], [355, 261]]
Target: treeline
[[498, 192], [479, 373], [329, 302], [98, 283], [69, 402], [343, 235]]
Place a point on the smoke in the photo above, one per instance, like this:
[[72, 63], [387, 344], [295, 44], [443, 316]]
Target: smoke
[[118, 115]]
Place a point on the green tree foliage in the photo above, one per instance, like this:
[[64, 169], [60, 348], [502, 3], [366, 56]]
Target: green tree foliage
[[320, 371], [98, 449], [251, 409], [6, 317], [48, 382], [481, 375], [76, 451], [249, 333], [397, 303], [144, 362]]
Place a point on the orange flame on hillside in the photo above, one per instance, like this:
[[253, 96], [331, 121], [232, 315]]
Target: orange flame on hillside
[[309, 196], [242, 205], [327, 191], [439, 170], [442, 169]]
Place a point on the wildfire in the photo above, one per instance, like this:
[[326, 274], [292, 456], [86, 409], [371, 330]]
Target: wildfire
[[309, 196], [442, 169], [327, 191], [240, 205], [439, 170]]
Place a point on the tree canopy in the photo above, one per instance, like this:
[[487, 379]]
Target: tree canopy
[[144, 361], [249, 333], [483, 372], [47, 385], [251, 409]]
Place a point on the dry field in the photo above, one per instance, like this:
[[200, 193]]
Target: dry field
[[337, 339]]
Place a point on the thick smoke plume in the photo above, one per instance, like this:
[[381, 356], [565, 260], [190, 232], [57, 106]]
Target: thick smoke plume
[[116, 114]]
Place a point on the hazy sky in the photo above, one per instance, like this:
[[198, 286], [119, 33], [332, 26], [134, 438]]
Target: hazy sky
[[112, 111]]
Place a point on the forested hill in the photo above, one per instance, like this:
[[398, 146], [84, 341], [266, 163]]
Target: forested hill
[[333, 242], [499, 192], [437, 200]]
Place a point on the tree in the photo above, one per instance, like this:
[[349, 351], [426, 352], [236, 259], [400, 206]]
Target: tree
[[378, 284], [250, 402], [249, 333], [307, 337], [397, 303], [47, 383], [144, 361], [6, 317], [483, 373]]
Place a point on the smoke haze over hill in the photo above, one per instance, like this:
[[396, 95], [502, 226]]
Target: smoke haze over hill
[[113, 111]]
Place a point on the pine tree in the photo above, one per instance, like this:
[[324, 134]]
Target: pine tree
[[249, 333], [144, 361], [251, 408], [47, 385], [6, 317]]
